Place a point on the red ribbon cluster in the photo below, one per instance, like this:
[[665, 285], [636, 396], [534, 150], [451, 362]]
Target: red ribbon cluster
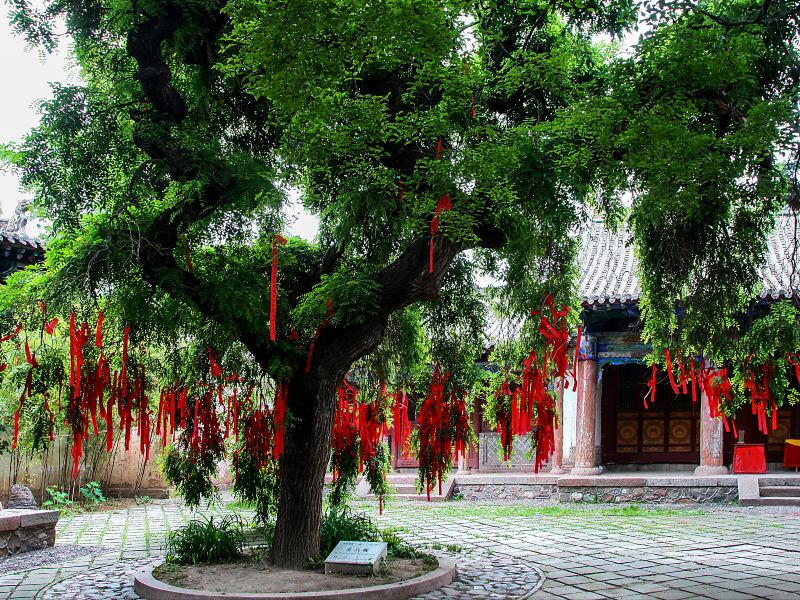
[[687, 375], [263, 430], [443, 428], [556, 338], [531, 406], [359, 428], [717, 387], [402, 425], [757, 383], [344, 434]]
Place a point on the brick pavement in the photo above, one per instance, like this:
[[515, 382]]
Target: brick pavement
[[584, 553]]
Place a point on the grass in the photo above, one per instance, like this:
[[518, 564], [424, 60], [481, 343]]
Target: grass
[[240, 506], [488, 511]]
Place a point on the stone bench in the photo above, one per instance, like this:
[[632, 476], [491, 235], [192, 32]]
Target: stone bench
[[23, 530]]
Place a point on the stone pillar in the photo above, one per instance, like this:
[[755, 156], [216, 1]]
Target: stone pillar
[[474, 449], [585, 458], [710, 441], [558, 435]]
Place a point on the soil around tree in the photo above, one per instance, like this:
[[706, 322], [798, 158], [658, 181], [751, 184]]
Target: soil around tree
[[259, 576]]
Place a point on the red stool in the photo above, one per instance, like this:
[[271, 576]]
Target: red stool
[[749, 458]]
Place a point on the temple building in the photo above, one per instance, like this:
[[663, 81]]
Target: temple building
[[605, 425]]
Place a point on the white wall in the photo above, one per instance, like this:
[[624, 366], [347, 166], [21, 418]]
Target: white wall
[[569, 422]]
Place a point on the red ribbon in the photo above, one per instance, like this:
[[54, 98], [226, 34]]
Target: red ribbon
[[49, 328], [98, 334], [443, 204], [216, 370], [13, 334], [669, 373], [652, 383], [273, 290]]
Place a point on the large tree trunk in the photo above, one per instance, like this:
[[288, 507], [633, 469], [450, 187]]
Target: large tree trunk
[[312, 399], [311, 403]]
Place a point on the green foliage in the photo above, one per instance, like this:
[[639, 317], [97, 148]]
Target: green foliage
[[256, 484], [376, 469], [142, 500], [768, 340], [354, 297], [695, 126], [92, 495], [164, 196], [59, 500], [191, 474], [205, 541]]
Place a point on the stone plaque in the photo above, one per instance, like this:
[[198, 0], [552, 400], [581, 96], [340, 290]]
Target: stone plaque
[[359, 558]]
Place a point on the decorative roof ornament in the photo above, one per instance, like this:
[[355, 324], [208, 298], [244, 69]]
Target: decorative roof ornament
[[17, 223]]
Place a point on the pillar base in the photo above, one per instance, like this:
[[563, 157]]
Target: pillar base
[[710, 470], [583, 471], [558, 471]]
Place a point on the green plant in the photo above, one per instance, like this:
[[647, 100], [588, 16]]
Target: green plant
[[92, 495], [142, 500], [206, 541], [339, 523], [59, 501]]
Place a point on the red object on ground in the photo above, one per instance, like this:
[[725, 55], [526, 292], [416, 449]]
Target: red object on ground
[[749, 458], [791, 454]]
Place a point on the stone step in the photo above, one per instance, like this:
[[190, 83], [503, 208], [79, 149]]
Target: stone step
[[435, 497], [780, 491], [404, 489], [401, 479], [780, 501]]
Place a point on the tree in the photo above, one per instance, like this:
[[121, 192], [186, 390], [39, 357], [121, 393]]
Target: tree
[[435, 140]]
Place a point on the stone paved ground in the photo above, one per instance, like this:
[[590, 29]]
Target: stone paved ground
[[583, 553]]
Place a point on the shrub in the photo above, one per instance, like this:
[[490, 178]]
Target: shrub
[[92, 494], [206, 541], [342, 524], [58, 501]]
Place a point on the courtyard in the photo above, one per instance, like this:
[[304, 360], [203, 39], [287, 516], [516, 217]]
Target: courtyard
[[503, 550]]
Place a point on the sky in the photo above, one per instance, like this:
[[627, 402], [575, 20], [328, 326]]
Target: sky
[[30, 74]]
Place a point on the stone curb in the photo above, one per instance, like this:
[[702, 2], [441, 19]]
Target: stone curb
[[151, 588]]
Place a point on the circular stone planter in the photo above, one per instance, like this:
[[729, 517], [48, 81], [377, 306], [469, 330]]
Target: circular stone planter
[[151, 588]]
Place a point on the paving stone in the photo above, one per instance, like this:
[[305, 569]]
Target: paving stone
[[722, 553]]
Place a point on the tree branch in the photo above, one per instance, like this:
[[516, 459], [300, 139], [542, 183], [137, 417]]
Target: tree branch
[[154, 137]]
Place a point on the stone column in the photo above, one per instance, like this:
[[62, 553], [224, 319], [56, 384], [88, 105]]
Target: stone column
[[710, 441], [558, 435], [474, 449], [585, 459]]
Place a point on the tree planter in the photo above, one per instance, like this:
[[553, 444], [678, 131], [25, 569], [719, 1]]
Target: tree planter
[[151, 588]]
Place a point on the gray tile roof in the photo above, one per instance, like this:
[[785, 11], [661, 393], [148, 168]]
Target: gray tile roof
[[608, 265], [20, 240]]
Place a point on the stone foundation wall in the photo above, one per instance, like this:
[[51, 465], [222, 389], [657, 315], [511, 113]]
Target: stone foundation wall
[[513, 491], [26, 530], [650, 495]]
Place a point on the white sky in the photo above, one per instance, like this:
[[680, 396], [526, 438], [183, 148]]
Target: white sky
[[29, 74]]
